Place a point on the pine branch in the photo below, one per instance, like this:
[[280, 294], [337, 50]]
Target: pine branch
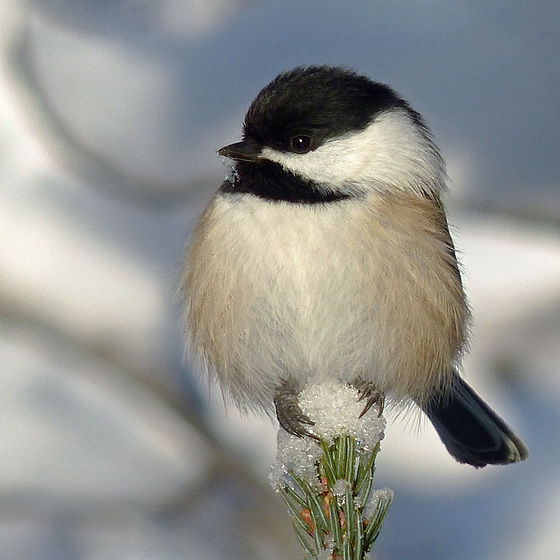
[[328, 485]]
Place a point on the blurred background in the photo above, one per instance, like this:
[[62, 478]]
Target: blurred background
[[111, 113]]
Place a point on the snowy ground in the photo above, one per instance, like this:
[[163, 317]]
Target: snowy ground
[[110, 115]]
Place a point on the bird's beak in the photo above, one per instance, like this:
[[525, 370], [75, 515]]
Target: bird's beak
[[241, 151]]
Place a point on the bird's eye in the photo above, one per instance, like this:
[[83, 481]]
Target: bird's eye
[[301, 144]]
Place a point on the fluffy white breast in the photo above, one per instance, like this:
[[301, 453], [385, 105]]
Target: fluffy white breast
[[393, 152], [277, 290]]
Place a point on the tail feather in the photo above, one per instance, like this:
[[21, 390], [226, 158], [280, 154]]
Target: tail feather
[[471, 431]]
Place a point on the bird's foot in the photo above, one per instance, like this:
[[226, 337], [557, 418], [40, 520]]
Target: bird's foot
[[289, 413], [371, 395]]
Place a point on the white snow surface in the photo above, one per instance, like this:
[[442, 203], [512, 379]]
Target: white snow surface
[[335, 409]]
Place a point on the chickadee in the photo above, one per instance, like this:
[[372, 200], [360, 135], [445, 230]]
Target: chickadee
[[327, 255]]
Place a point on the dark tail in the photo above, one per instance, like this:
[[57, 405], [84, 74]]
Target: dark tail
[[472, 432]]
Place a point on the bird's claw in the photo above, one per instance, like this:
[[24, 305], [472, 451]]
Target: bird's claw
[[289, 413], [371, 395]]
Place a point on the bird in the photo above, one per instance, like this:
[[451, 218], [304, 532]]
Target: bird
[[326, 255]]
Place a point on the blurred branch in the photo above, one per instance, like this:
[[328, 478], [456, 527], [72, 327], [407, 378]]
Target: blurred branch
[[537, 212]]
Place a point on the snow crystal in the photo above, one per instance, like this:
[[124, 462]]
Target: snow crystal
[[340, 487], [384, 495], [335, 409]]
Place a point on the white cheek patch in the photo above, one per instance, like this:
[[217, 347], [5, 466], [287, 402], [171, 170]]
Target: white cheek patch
[[391, 152]]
